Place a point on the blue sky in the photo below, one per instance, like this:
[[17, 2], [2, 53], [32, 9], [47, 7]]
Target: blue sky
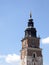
[[14, 15]]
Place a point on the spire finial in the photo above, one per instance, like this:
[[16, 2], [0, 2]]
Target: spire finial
[[30, 15]]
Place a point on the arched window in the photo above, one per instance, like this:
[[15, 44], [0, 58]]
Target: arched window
[[34, 55]]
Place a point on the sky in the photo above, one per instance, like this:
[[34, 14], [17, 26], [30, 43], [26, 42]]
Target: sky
[[14, 15]]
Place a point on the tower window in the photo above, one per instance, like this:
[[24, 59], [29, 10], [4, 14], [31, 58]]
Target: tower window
[[34, 55]]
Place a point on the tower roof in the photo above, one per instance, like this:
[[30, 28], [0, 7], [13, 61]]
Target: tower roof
[[30, 22], [30, 30]]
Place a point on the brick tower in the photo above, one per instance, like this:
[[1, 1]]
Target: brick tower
[[31, 53]]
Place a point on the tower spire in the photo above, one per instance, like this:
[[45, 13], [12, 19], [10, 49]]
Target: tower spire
[[30, 15]]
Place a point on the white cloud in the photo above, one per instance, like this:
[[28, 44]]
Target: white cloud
[[45, 40], [11, 58]]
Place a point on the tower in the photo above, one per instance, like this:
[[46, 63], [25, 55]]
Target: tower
[[31, 53]]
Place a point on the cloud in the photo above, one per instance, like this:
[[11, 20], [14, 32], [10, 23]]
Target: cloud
[[45, 40], [10, 58]]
